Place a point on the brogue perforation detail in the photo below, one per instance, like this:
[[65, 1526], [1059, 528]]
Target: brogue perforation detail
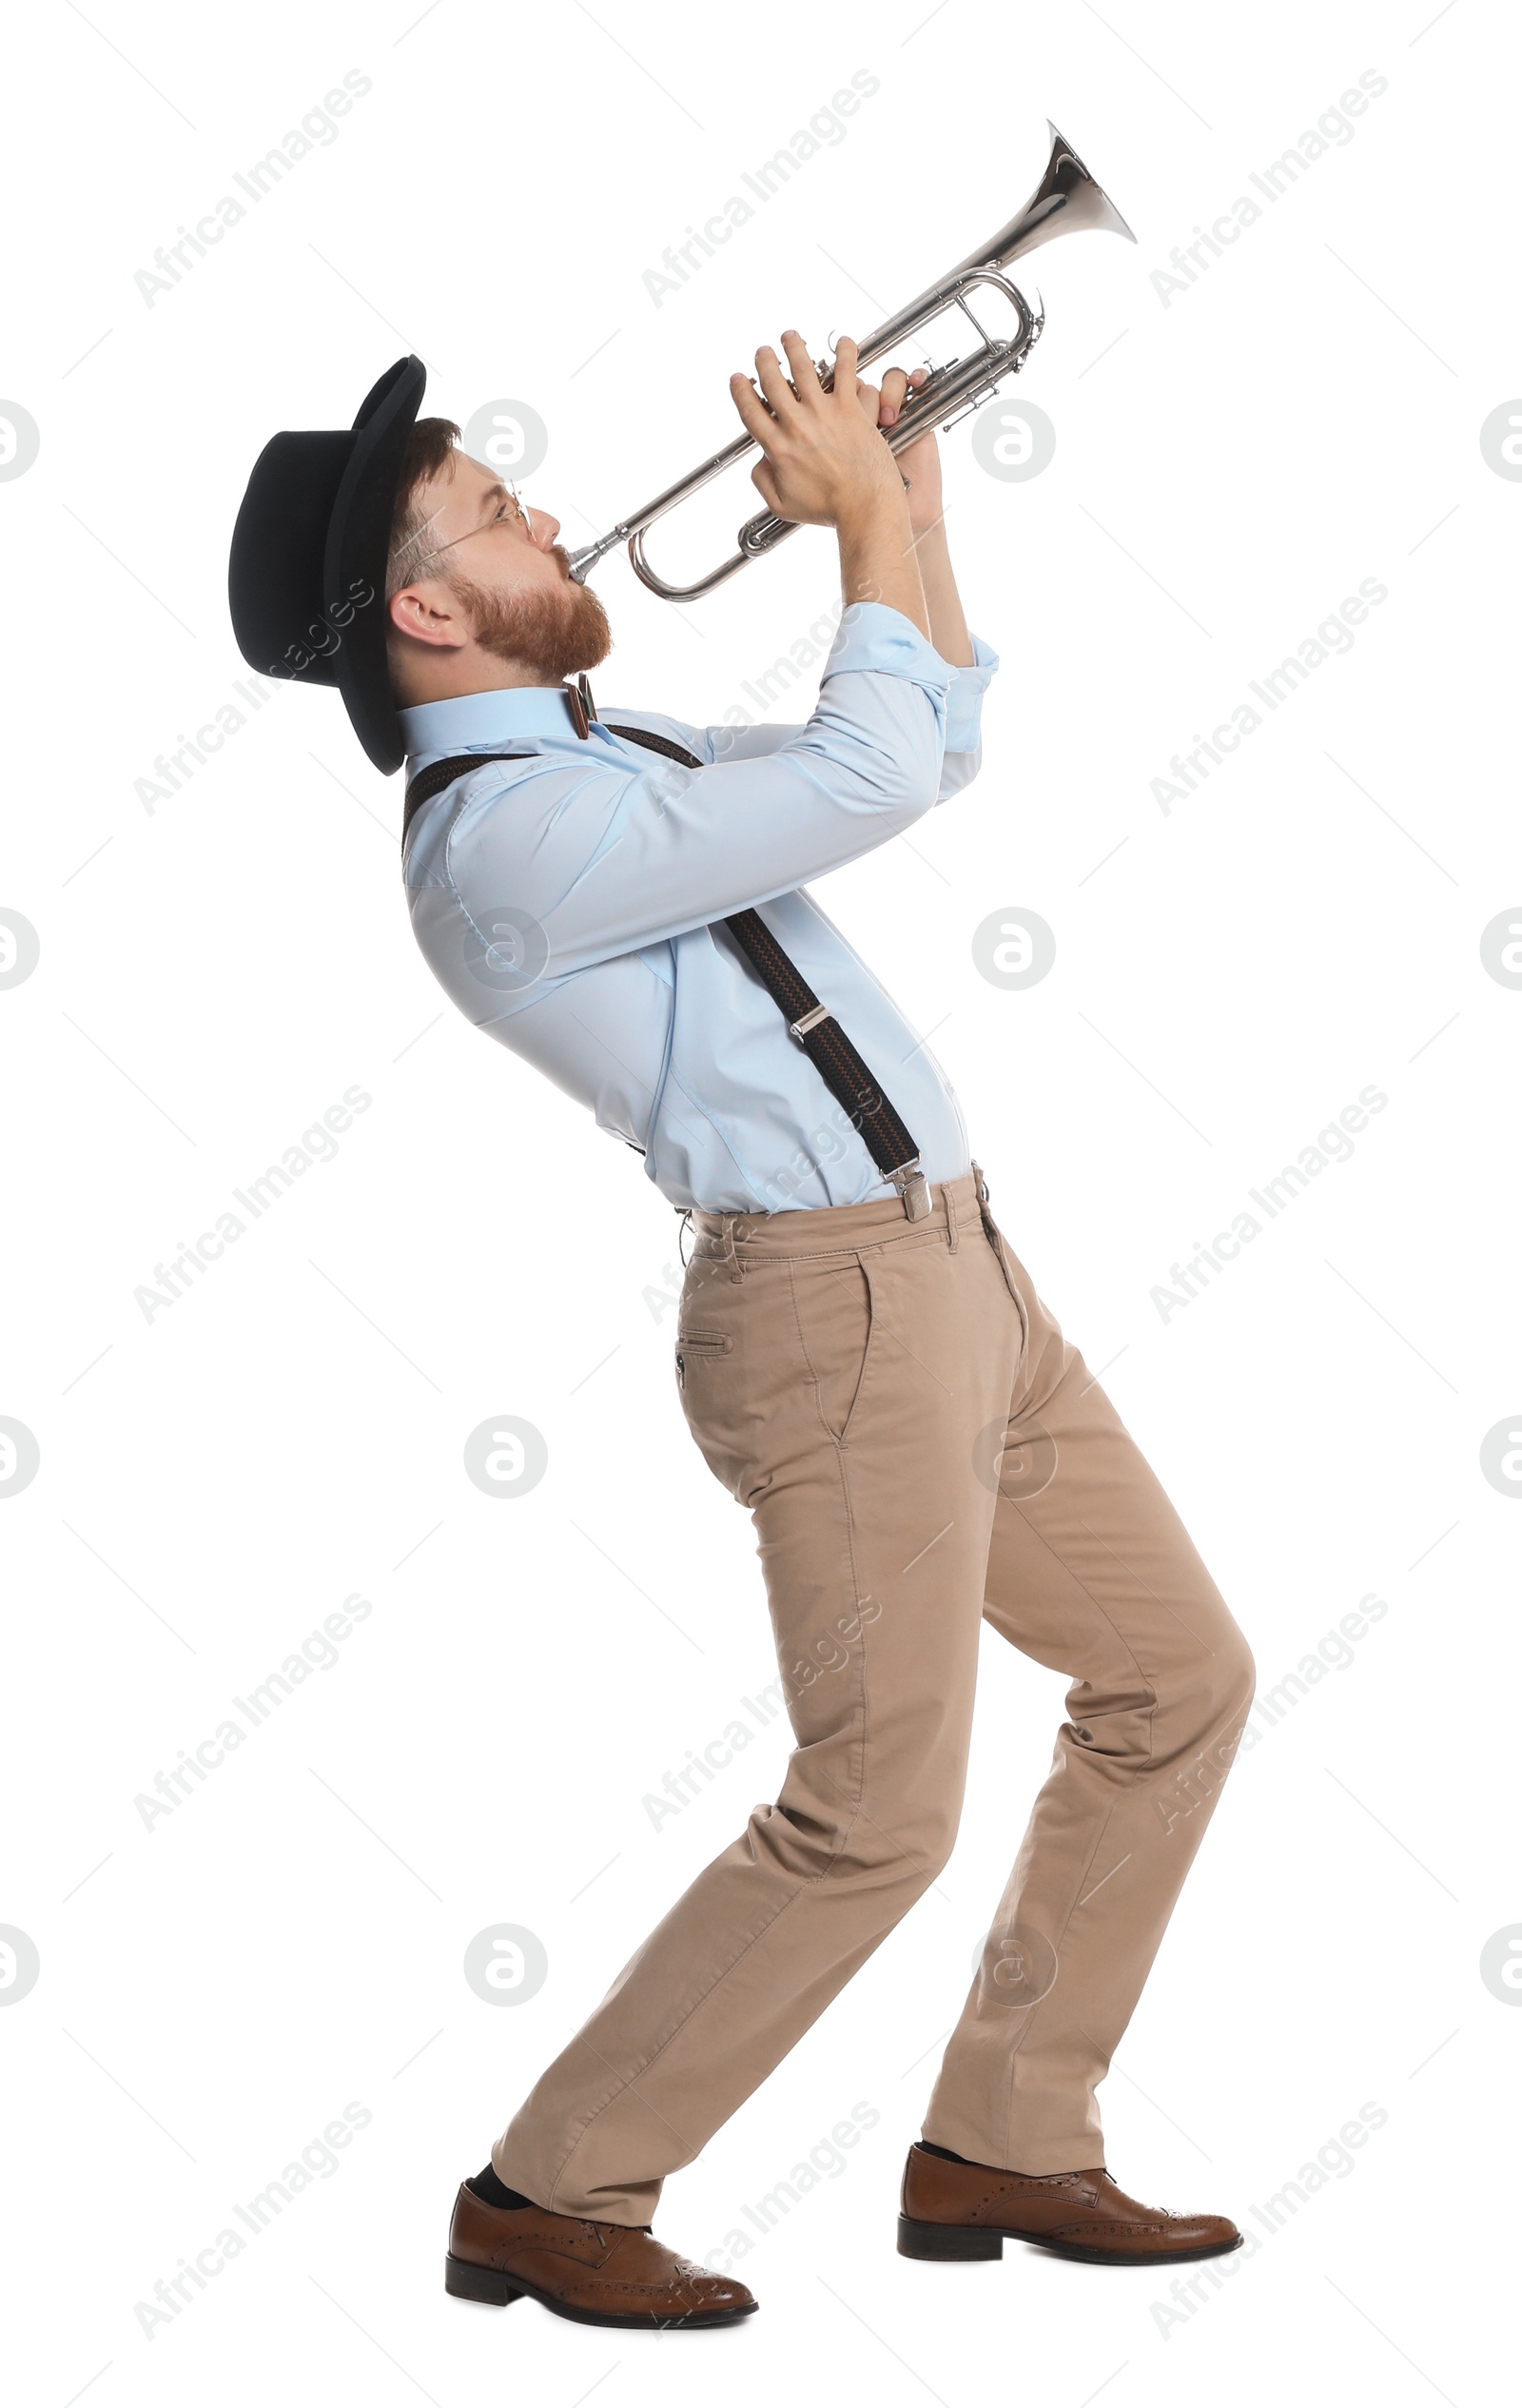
[[1025, 2186]]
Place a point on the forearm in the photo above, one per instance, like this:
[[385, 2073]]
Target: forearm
[[947, 626], [879, 562]]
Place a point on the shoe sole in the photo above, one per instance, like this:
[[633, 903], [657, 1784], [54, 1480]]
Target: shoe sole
[[961, 2243], [495, 2290]]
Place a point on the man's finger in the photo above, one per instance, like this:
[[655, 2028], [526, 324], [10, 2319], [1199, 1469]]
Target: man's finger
[[757, 418], [890, 400], [774, 384], [806, 382]]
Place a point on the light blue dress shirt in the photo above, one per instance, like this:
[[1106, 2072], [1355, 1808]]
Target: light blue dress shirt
[[571, 905]]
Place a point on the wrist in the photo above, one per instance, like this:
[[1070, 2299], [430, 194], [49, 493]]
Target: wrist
[[880, 509]]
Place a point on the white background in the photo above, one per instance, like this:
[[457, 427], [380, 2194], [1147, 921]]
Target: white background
[[216, 972]]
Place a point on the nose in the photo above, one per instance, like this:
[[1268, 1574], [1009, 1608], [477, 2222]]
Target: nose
[[543, 528]]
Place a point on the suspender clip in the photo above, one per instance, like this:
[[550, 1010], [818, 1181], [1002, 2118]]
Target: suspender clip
[[800, 1028], [913, 1189]]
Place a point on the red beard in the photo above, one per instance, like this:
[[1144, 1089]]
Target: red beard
[[554, 632]]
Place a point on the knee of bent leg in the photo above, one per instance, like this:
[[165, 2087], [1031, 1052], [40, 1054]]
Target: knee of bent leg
[[903, 1849], [1233, 1678], [925, 1813], [938, 1840], [1211, 1697]]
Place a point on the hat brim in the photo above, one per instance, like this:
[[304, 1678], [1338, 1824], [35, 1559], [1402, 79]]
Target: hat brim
[[354, 558]]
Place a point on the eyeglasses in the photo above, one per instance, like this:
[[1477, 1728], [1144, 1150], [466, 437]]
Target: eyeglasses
[[509, 508]]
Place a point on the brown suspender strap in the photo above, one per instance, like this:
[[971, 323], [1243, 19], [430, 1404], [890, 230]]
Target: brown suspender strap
[[430, 782], [814, 1026]]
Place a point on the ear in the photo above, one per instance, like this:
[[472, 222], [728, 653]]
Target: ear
[[428, 614]]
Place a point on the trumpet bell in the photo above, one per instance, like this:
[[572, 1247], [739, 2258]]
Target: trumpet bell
[[1066, 201]]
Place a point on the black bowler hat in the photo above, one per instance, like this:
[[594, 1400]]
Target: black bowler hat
[[306, 582]]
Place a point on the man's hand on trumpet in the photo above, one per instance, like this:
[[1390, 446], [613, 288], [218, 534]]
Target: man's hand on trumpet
[[821, 459], [825, 465]]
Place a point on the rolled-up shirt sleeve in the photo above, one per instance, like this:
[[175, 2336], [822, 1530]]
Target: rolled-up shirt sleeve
[[605, 859], [962, 752], [963, 721]]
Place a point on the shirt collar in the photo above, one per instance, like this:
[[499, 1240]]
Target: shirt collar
[[501, 714]]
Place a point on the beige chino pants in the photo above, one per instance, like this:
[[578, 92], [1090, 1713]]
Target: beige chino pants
[[921, 1449]]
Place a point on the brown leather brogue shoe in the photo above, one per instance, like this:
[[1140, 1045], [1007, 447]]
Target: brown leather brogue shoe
[[957, 2210], [595, 2274]]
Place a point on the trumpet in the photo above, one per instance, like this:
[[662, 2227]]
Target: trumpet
[[1066, 201]]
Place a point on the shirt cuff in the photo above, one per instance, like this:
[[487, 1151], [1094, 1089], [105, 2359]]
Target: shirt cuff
[[874, 636], [963, 703]]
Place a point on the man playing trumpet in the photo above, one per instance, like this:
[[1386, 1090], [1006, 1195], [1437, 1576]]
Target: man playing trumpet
[[862, 1360]]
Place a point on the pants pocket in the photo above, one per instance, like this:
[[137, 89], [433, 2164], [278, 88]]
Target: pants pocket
[[695, 1345], [837, 1321]]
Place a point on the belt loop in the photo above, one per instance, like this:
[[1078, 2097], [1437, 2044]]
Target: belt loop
[[736, 1266], [950, 1198]]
